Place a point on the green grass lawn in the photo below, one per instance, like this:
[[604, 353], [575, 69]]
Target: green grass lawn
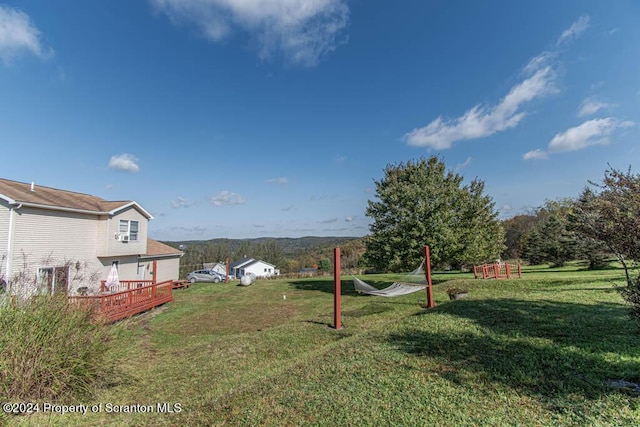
[[533, 351]]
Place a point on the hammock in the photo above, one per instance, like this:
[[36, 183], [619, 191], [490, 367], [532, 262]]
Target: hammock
[[395, 290]]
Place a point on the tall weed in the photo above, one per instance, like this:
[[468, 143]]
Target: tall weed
[[51, 349]]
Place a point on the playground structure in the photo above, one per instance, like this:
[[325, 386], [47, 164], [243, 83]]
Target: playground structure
[[501, 270]]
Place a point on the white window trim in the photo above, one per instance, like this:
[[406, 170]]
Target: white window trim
[[128, 233]]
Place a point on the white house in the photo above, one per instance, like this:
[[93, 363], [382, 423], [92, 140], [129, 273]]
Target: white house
[[249, 265], [218, 267], [54, 240]]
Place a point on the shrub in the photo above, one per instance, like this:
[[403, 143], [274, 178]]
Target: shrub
[[51, 349]]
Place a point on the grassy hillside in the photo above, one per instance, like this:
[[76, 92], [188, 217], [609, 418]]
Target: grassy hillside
[[550, 349]]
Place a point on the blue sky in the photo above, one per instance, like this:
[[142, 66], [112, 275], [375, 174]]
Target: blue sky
[[251, 118]]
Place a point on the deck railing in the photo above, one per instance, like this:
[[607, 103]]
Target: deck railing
[[124, 285], [114, 306], [497, 271]]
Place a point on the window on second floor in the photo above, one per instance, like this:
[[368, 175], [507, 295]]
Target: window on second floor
[[129, 228]]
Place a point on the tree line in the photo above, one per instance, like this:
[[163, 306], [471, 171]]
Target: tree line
[[421, 202]]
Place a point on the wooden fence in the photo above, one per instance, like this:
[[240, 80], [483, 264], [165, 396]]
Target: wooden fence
[[497, 271], [134, 296]]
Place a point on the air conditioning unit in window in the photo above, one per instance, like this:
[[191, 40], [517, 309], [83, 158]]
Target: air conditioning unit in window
[[122, 237]]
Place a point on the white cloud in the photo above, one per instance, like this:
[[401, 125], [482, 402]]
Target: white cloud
[[483, 120], [591, 106], [226, 198], [328, 221], [536, 154], [124, 162], [349, 219], [281, 181], [464, 164], [18, 34], [591, 132], [303, 31], [340, 159], [575, 31], [181, 202]]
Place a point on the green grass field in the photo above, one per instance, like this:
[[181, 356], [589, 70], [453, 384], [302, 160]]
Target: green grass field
[[540, 350]]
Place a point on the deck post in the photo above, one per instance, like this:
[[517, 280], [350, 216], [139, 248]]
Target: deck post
[[336, 289], [155, 271], [427, 272]]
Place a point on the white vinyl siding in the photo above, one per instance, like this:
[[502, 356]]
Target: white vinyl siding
[[260, 269], [5, 212], [127, 267], [117, 224], [168, 268], [46, 238]]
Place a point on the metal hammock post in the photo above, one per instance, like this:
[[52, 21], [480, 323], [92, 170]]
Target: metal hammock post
[[427, 272], [336, 288]]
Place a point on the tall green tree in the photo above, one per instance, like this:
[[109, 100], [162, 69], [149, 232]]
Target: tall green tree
[[551, 238], [515, 228], [420, 202]]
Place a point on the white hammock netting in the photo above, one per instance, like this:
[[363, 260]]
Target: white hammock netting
[[397, 288]]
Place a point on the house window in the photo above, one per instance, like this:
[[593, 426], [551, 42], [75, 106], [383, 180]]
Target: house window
[[53, 280], [133, 230], [129, 228]]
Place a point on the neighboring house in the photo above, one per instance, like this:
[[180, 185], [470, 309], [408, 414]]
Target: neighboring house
[[218, 267], [249, 265], [58, 241]]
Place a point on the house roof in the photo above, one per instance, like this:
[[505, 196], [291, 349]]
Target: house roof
[[155, 248], [20, 193], [241, 262]]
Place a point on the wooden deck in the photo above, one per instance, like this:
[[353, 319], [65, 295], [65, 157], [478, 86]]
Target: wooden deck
[[132, 297], [180, 284]]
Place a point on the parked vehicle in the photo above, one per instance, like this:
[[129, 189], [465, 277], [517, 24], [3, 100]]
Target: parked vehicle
[[205, 276]]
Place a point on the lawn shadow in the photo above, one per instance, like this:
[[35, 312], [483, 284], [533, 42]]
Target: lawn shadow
[[546, 349], [346, 286]]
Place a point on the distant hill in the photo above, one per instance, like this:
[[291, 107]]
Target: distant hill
[[290, 246]]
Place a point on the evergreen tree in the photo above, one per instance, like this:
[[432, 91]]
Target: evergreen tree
[[422, 203]]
